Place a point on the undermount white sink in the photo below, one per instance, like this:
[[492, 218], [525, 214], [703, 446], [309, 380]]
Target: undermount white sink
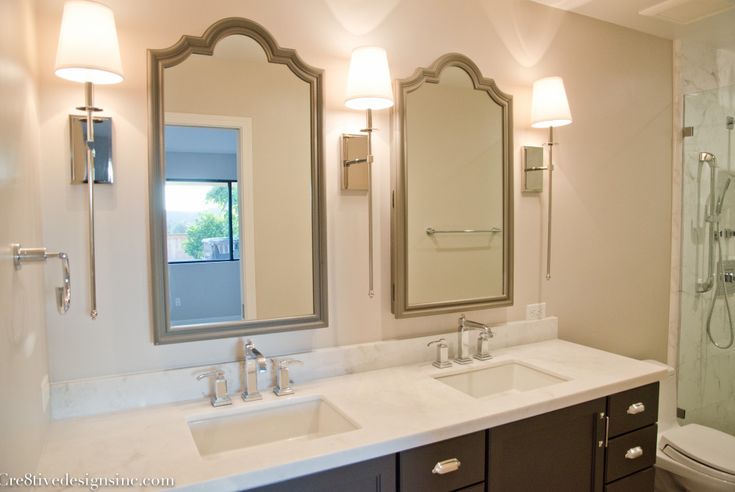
[[289, 420], [502, 379]]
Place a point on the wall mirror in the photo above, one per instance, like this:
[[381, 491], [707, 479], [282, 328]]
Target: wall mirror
[[452, 182], [238, 240]]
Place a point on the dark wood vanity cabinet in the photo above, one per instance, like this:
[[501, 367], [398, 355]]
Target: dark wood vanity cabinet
[[603, 445], [556, 451], [631, 439], [606, 445]]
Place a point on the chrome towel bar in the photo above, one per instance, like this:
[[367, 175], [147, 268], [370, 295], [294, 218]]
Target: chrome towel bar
[[430, 231], [33, 255]]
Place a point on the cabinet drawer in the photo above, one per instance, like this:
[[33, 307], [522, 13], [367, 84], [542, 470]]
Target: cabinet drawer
[[630, 453], [416, 465], [642, 481], [632, 409], [376, 475]]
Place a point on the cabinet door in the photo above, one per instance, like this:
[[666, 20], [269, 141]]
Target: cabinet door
[[378, 475], [561, 450]]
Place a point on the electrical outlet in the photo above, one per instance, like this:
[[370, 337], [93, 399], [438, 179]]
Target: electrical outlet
[[536, 311], [45, 393]]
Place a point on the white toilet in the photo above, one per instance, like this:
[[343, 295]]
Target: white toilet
[[690, 457]]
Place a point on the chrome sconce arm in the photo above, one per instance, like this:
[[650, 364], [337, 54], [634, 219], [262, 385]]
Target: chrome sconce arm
[[35, 255], [357, 150], [368, 130], [551, 144], [90, 108]]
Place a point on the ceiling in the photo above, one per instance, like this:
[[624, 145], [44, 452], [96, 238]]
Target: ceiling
[[716, 30]]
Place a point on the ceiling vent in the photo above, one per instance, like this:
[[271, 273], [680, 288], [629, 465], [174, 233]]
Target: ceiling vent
[[687, 11]]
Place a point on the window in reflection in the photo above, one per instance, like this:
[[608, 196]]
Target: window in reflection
[[203, 224]]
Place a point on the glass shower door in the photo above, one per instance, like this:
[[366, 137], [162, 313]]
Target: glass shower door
[[706, 366]]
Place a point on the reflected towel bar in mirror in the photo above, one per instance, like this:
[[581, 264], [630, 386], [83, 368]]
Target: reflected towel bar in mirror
[[430, 231]]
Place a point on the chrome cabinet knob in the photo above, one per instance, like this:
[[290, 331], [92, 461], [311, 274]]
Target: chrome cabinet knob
[[446, 466], [634, 453], [636, 408]]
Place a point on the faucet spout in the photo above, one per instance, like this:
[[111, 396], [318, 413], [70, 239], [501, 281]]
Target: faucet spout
[[464, 322], [251, 369], [259, 357], [463, 328]]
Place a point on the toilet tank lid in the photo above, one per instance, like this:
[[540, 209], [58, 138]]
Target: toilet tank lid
[[703, 444]]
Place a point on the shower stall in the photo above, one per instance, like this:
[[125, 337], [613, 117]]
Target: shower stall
[[706, 365]]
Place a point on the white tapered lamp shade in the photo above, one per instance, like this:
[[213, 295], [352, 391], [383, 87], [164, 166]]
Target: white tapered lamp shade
[[88, 49], [368, 80], [549, 105]]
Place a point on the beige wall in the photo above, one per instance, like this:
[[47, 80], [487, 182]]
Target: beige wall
[[454, 153], [23, 296], [277, 101], [612, 185]]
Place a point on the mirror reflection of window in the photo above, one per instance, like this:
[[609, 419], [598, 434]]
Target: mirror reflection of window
[[202, 224]]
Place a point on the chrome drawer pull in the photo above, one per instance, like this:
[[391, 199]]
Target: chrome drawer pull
[[446, 466], [634, 453], [636, 408]]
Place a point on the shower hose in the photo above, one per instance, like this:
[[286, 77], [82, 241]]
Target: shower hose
[[720, 274]]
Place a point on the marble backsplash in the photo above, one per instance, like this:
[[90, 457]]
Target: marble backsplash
[[123, 392]]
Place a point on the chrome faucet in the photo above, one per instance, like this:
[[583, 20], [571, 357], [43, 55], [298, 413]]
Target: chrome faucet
[[463, 352], [250, 377]]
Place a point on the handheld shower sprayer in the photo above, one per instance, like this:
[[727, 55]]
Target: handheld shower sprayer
[[710, 217], [707, 157]]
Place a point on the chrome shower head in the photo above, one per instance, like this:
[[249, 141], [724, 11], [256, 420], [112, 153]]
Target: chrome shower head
[[707, 157]]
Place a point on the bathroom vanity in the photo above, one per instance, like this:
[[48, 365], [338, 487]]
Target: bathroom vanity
[[607, 442], [387, 429]]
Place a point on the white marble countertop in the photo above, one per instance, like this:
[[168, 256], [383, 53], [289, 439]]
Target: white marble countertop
[[397, 408]]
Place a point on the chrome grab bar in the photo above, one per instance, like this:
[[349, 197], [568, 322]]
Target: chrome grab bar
[[32, 255], [430, 231]]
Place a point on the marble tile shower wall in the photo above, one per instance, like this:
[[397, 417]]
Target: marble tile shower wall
[[706, 373]]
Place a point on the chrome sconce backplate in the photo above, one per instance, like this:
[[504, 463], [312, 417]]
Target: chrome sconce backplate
[[355, 162]]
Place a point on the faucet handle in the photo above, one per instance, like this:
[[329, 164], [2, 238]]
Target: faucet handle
[[483, 344], [218, 373], [283, 383], [442, 353], [221, 396]]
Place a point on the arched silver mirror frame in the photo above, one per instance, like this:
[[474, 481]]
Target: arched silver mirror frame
[[160, 59], [399, 216]]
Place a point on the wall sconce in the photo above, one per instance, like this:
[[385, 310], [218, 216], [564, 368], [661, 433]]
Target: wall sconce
[[368, 87], [549, 109], [88, 52]]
